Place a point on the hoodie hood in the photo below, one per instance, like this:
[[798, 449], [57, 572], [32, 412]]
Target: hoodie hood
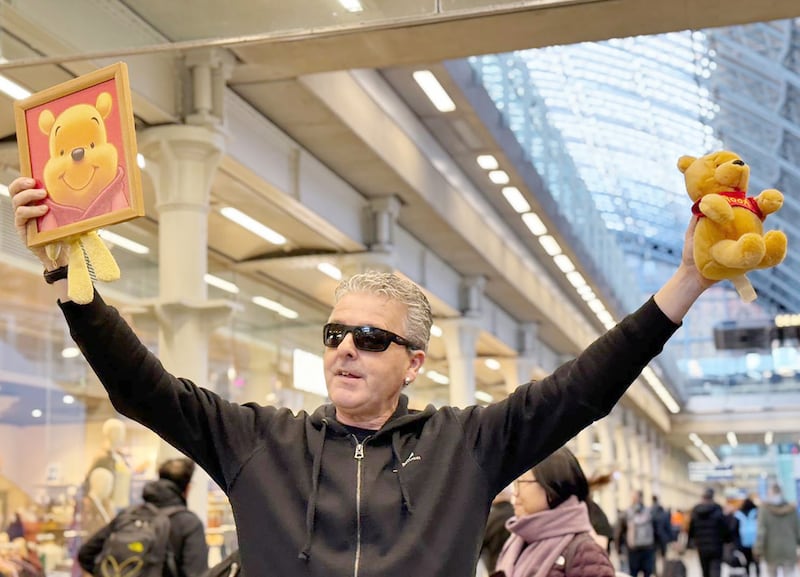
[[163, 493], [401, 417], [780, 508], [705, 510]]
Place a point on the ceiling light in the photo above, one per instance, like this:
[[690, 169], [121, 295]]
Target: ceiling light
[[275, 307], [36, 413], [484, 397], [13, 89], [252, 225], [221, 284], [534, 223], [492, 364], [352, 5], [605, 317], [732, 440], [123, 242], [70, 352], [596, 305], [487, 162], [68, 399], [564, 263], [514, 197], [4, 190], [585, 290], [662, 393], [768, 438], [550, 245], [499, 177], [576, 279], [438, 377], [710, 455], [330, 270], [434, 91], [436, 331], [141, 161]]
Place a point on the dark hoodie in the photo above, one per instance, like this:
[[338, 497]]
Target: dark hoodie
[[708, 529], [309, 500], [186, 532]]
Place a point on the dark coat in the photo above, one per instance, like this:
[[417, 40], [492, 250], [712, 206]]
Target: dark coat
[[186, 533], [708, 529], [496, 533]]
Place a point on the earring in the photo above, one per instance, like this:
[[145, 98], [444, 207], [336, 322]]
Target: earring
[[406, 381]]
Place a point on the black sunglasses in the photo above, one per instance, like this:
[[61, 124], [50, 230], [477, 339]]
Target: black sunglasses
[[366, 338]]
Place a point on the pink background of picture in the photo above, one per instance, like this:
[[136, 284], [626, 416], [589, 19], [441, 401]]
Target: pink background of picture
[[38, 142]]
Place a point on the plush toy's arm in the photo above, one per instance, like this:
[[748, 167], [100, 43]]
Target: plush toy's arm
[[716, 208], [769, 201]]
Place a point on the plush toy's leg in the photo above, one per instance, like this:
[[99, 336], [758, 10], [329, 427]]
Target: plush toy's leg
[[104, 266], [744, 288], [776, 242], [53, 251], [79, 283], [742, 254]]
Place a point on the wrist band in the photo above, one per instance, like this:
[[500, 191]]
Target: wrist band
[[60, 273]]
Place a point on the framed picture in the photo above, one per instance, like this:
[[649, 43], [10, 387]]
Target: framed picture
[[77, 139]]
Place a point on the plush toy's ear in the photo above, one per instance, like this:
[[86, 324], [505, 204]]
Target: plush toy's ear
[[685, 162], [46, 121]]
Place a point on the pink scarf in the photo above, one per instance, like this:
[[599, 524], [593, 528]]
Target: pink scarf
[[537, 540]]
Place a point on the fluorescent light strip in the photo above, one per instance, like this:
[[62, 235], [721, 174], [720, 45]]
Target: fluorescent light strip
[[768, 437], [436, 331], [661, 392], [534, 223], [576, 279], [434, 91], [710, 455], [122, 242], [499, 177], [550, 245], [514, 197], [330, 270], [487, 162], [596, 305], [221, 284], [564, 263], [252, 225], [12, 89], [732, 440], [275, 307], [484, 397], [492, 364], [4, 191], [438, 377], [352, 5]]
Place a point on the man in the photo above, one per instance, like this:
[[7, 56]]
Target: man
[[638, 532], [187, 538], [778, 534], [365, 486], [663, 527], [708, 532]]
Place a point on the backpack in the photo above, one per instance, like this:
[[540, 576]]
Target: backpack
[[748, 526], [138, 545], [640, 531]]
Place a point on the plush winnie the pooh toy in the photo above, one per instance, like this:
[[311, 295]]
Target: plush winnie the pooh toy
[[729, 239], [83, 179]]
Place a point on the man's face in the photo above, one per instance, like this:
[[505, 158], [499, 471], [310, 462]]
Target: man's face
[[366, 385]]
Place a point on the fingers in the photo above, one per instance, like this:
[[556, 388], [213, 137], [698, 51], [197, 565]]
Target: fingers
[[20, 184], [25, 199]]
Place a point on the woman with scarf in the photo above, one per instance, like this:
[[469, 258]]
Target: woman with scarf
[[551, 535]]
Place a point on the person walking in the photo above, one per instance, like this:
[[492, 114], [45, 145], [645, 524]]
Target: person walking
[[778, 535], [747, 515], [708, 532]]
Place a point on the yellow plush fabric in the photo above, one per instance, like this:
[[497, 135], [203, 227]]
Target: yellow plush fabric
[[729, 239], [86, 252]]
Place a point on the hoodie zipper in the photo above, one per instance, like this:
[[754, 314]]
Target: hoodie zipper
[[359, 457]]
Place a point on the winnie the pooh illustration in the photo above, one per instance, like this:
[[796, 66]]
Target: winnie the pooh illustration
[[82, 175], [729, 239]]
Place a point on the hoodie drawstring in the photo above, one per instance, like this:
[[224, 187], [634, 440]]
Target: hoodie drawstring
[[311, 509], [403, 488]]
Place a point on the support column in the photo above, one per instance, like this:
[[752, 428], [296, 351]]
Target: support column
[[182, 161], [522, 368], [460, 341], [382, 218], [625, 468], [607, 496]]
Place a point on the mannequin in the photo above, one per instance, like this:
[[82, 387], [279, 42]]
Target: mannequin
[[114, 461], [97, 507]]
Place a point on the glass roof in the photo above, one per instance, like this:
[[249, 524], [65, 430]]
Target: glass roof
[[623, 111], [607, 121]]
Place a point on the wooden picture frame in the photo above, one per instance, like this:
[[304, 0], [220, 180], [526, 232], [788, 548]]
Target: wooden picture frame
[[78, 140]]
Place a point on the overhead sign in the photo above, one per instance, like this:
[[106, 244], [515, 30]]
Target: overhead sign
[[701, 472]]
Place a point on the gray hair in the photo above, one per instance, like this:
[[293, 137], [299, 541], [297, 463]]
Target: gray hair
[[419, 317]]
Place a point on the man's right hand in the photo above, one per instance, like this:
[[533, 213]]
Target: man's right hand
[[25, 200]]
